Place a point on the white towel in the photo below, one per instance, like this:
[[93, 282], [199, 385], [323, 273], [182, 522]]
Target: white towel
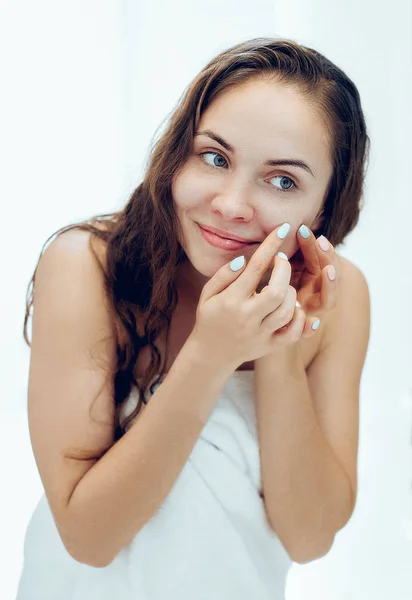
[[210, 540]]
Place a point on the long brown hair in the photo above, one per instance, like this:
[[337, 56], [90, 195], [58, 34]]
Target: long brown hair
[[143, 251]]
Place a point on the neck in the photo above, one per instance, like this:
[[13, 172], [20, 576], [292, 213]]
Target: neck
[[190, 282]]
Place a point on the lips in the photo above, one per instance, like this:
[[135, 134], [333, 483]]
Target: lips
[[227, 235]]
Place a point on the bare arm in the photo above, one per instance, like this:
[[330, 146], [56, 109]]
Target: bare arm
[[100, 505], [124, 489]]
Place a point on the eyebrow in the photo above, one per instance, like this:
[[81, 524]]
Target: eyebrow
[[272, 163]]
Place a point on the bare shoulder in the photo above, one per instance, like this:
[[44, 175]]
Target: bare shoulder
[[82, 255], [351, 280], [79, 242], [70, 302]]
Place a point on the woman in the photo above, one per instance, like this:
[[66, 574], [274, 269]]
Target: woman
[[244, 459]]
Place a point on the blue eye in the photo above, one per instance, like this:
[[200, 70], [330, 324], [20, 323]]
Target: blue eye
[[216, 154], [282, 177]]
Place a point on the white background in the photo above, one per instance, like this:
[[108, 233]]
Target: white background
[[85, 86]]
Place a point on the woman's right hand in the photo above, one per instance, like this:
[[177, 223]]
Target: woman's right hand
[[234, 323]]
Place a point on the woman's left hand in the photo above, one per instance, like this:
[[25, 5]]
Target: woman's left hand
[[315, 274]]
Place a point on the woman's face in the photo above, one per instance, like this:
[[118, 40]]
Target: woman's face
[[234, 190]]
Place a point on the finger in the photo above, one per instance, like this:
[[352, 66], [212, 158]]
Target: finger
[[281, 272], [326, 252], [283, 314], [312, 325], [223, 278], [292, 332], [246, 284], [308, 246], [277, 286], [329, 289]]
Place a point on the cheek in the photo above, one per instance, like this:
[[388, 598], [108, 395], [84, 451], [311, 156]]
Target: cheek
[[295, 216], [186, 191], [290, 244]]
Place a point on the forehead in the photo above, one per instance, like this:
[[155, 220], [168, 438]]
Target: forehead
[[273, 119]]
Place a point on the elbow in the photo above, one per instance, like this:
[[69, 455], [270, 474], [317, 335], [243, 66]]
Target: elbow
[[95, 562], [91, 560], [304, 555], [87, 559], [90, 557]]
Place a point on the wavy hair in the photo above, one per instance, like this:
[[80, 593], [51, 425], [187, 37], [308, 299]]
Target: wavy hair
[[142, 239]]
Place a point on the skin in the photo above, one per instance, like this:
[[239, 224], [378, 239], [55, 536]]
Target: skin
[[267, 120], [236, 192]]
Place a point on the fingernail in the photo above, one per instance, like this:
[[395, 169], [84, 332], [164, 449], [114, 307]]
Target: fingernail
[[283, 255], [283, 231], [304, 231], [323, 243], [298, 304], [316, 324], [331, 272], [237, 263]]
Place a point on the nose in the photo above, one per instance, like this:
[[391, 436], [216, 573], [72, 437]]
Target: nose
[[234, 202]]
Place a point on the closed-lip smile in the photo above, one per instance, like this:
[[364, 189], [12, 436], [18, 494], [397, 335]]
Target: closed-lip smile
[[227, 235]]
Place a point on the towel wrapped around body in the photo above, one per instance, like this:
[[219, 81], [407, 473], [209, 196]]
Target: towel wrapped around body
[[210, 539]]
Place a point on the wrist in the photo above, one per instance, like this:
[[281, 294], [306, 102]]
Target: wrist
[[288, 357], [194, 356]]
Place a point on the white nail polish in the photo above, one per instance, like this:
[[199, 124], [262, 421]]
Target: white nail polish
[[283, 231]]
